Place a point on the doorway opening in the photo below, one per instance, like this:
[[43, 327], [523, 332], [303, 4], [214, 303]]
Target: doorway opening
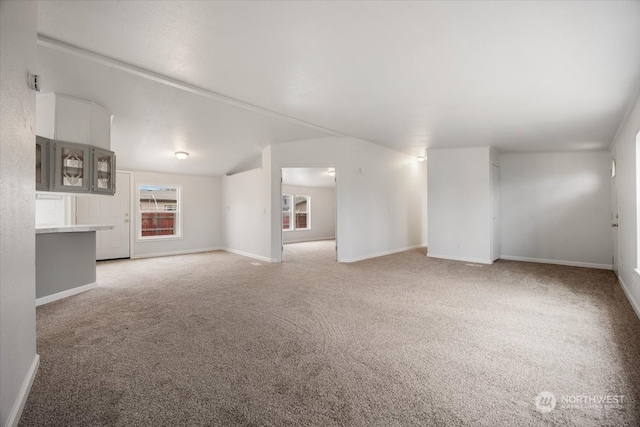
[[308, 223]]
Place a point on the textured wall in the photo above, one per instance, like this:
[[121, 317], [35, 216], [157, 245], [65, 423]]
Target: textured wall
[[18, 21]]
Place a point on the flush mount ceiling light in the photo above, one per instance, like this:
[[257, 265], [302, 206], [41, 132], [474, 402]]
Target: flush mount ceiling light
[[332, 172], [421, 157], [182, 155]]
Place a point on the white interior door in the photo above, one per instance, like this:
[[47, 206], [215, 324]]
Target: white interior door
[[495, 213], [113, 210], [614, 218]]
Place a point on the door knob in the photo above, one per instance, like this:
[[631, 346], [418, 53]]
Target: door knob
[[614, 225]]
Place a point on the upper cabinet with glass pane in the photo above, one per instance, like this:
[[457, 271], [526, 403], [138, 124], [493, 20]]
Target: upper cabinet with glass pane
[[71, 167], [104, 166], [67, 167]]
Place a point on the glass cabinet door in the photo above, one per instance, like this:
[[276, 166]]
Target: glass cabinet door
[[104, 167], [71, 167], [42, 163]]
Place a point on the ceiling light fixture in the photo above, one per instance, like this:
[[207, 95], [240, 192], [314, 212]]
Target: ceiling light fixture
[[421, 157], [182, 155], [332, 172]]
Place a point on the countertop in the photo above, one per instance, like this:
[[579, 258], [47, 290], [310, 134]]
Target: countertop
[[72, 228]]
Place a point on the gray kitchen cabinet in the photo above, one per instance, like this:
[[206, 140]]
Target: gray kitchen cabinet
[[43, 170], [104, 171], [67, 167], [71, 167]]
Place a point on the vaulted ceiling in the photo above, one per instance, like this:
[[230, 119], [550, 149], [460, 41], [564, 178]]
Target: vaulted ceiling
[[224, 79]]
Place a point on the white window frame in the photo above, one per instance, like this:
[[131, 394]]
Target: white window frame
[[178, 215], [292, 213], [308, 212]]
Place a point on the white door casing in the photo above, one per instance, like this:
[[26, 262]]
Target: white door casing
[[496, 247], [114, 210], [615, 261]]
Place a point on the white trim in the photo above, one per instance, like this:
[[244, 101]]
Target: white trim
[[159, 237], [64, 294], [460, 258], [315, 239], [18, 406], [627, 292], [250, 255], [132, 225], [183, 252], [89, 55], [379, 254], [558, 262]]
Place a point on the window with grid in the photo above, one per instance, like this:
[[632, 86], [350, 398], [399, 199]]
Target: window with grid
[[159, 212], [296, 212]]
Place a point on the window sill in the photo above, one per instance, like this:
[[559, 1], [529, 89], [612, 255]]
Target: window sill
[[157, 238]]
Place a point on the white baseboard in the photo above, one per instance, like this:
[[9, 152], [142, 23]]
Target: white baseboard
[[18, 406], [627, 292], [460, 258], [379, 254], [558, 262], [65, 294], [183, 252], [249, 255], [315, 239]]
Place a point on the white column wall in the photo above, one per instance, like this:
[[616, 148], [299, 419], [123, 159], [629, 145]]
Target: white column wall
[[18, 358], [459, 204]]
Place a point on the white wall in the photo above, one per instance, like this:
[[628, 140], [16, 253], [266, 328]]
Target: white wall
[[380, 195], [556, 208], [323, 214], [201, 221], [18, 359], [626, 153], [245, 207], [53, 209], [459, 204]]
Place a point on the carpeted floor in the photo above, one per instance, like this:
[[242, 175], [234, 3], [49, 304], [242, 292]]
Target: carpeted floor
[[212, 339]]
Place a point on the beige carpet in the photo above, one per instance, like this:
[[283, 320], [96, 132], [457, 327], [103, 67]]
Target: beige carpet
[[211, 339]]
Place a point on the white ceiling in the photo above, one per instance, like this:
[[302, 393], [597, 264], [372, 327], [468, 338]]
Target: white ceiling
[[308, 177], [520, 76]]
